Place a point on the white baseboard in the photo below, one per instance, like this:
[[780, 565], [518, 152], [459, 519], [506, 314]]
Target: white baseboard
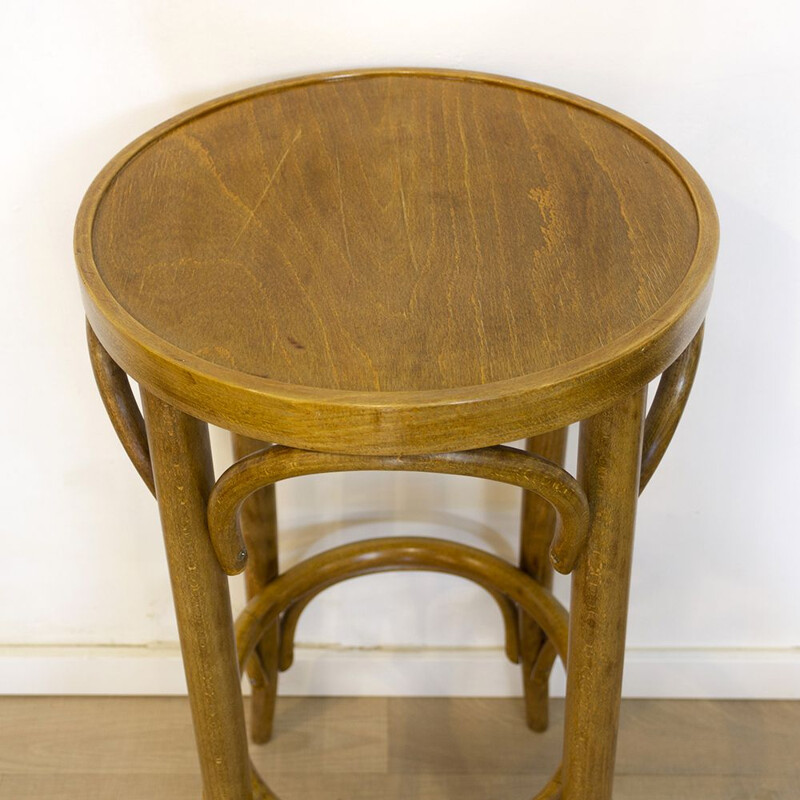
[[157, 670]]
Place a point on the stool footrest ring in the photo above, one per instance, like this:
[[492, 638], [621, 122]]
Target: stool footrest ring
[[308, 578], [291, 617]]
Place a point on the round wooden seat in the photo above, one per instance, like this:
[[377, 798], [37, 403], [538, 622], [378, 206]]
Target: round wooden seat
[[396, 261]]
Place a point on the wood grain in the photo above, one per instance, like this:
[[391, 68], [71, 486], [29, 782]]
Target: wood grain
[[120, 404], [667, 408], [501, 463], [394, 233], [537, 526], [181, 458], [258, 520], [609, 457], [396, 260]]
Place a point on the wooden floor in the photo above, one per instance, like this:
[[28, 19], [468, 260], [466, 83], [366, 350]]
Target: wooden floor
[[414, 749]]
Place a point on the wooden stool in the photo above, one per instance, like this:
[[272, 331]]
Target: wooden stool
[[398, 270]]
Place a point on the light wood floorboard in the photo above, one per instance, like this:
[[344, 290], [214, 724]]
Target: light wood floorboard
[[414, 749]]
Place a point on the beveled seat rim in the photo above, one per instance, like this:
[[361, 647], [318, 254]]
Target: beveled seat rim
[[431, 420]]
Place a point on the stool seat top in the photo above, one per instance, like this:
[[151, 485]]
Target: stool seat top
[[396, 260]]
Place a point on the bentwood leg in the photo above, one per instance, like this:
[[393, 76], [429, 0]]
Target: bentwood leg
[[259, 526], [536, 534], [609, 462], [181, 458]]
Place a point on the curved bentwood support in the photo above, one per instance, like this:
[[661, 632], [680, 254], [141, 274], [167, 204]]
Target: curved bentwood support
[[667, 407], [500, 463], [291, 617], [115, 391], [662, 419], [407, 553]]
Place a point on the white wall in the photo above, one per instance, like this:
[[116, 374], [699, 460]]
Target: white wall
[[84, 595]]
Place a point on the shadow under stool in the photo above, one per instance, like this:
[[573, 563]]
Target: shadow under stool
[[398, 269]]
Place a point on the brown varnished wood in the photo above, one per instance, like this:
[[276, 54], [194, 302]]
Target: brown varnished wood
[[337, 235], [608, 468], [400, 553], [258, 520], [184, 475], [291, 618], [396, 261], [499, 463], [120, 404], [667, 408], [536, 535], [398, 269]]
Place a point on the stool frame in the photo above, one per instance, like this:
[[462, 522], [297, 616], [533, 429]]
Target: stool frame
[[215, 528], [623, 235]]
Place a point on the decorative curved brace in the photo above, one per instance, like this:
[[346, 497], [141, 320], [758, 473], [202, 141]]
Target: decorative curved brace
[[540, 672], [379, 555], [499, 463], [125, 416], [667, 407], [291, 618]]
